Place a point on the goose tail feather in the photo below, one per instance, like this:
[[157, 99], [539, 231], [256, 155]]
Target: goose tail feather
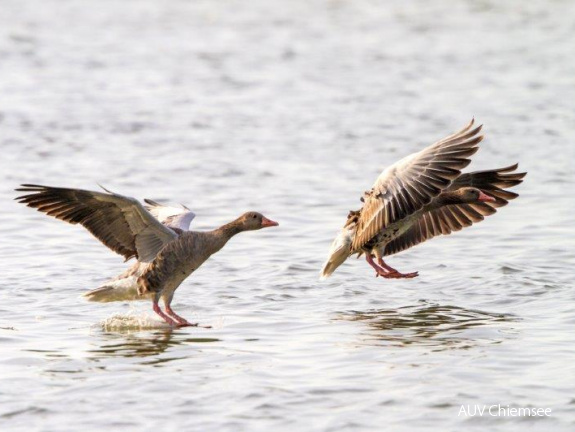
[[339, 252]]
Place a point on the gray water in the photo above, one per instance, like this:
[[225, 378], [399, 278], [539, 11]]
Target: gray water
[[291, 109]]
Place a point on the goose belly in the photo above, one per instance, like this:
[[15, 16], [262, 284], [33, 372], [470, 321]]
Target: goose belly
[[124, 289], [392, 232], [175, 280]]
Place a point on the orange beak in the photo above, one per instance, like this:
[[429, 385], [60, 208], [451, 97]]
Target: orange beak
[[485, 197], [268, 222]]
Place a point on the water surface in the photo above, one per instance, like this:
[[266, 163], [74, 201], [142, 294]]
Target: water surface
[[291, 109]]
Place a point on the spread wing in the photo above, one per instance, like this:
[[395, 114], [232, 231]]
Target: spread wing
[[453, 217], [172, 217], [411, 183], [120, 222]]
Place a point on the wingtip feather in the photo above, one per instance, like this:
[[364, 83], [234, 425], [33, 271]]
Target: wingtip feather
[[152, 202], [106, 190]]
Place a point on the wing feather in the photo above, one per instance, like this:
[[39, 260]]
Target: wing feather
[[414, 181], [172, 217], [120, 222], [453, 217]]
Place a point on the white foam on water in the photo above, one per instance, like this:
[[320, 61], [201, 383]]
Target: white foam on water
[[133, 320], [136, 319]]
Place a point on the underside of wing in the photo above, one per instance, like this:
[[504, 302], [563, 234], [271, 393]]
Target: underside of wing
[[173, 217], [454, 217], [414, 182], [120, 222]]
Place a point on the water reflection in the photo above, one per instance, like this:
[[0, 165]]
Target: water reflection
[[442, 327], [143, 344]]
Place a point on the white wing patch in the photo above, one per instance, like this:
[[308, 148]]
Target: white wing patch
[[173, 217]]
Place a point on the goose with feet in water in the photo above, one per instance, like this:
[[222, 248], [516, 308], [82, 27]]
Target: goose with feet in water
[[166, 251]]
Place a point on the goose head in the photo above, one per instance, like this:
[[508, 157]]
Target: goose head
[[471, 195], [251, 221]]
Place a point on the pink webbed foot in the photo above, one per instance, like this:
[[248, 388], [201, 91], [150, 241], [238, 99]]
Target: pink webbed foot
[[185, 323], [394, 273], [387, 272], [181, 321], [398, 275]]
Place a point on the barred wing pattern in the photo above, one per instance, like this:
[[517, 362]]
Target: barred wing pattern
[[454, 217], [414, 181], [119, 222]]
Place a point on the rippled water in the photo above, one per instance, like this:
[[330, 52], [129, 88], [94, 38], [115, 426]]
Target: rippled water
[[292, 109]]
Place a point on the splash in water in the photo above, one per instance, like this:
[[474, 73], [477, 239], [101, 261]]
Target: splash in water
[[134, 320]]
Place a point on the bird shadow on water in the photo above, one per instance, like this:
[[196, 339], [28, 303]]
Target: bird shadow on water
[[440, 327]]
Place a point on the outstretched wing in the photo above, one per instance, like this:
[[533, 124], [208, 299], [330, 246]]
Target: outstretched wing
[[453, 217], [120, 222], [411, 183], [172, 217]]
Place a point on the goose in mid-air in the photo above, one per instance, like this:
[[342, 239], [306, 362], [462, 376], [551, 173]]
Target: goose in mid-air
[[419, 197], [157, 236]]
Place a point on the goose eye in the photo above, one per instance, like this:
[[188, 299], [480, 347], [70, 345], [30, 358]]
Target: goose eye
[[254, 216]]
